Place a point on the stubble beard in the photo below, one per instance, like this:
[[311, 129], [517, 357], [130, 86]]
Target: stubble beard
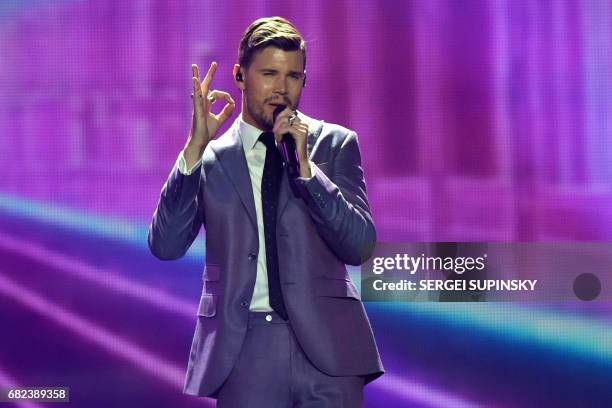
[[258, 113], [260, 118]]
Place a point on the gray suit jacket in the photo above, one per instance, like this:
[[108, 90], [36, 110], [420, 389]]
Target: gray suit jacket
[[317, 234]]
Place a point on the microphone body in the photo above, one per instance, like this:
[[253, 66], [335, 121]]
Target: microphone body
[[288, 150]]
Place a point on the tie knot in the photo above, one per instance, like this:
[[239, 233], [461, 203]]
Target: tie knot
[[267, 138]]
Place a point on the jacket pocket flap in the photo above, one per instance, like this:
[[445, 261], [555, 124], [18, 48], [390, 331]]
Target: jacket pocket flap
[[208, 305], [335, 288]]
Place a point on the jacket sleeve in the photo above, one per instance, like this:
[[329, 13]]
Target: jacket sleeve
[[178, 216], [340, 207]]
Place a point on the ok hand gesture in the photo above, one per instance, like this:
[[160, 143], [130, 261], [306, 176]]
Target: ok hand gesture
[[205, 124]]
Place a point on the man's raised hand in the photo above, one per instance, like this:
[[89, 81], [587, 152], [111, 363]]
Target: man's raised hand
[[205, 124]]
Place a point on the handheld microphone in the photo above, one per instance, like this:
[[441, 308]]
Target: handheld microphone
[[287, 148]]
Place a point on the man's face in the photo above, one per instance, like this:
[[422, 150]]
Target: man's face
[[275, 77]]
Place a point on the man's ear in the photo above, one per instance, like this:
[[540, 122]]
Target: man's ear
[[238, 77]]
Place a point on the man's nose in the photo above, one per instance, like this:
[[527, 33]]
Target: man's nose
[[280, 86]]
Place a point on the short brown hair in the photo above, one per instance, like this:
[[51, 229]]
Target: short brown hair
[[269, 32]]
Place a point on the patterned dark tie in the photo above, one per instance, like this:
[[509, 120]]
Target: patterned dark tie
[[270, 188]]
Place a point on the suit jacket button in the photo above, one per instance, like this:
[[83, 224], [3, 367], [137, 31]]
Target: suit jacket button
[[252, 257], [244, 303]]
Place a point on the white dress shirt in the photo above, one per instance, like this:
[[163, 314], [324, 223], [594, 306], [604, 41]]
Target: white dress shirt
[[255, 153]]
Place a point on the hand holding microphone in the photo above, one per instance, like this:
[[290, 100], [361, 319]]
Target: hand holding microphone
[[292, 136]]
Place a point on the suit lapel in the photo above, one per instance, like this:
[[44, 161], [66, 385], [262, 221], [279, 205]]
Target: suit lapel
[[230, 152]]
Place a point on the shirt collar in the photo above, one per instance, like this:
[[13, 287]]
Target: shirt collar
[[249, 134]]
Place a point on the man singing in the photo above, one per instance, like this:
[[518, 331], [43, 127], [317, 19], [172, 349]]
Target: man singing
[[280, 323]]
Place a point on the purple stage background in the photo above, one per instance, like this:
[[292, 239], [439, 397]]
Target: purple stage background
[[479, 120]]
